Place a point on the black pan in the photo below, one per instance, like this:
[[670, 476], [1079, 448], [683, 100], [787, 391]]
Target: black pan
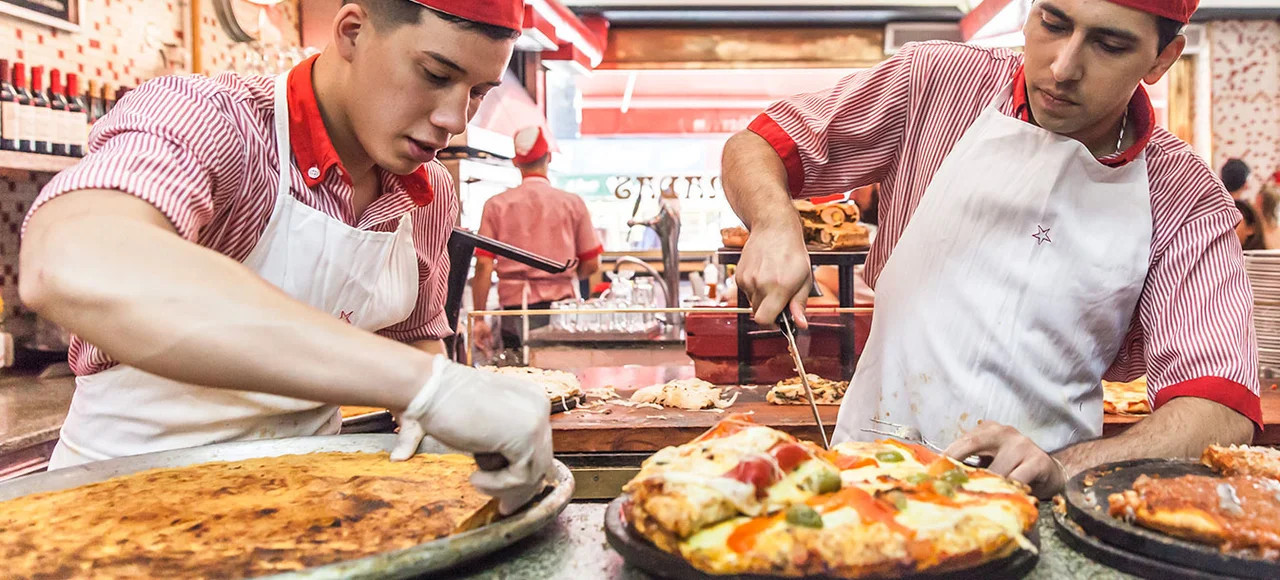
[[1087, 508]]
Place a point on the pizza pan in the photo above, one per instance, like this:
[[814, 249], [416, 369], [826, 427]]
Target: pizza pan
[[566, 404], [1130, 562], [1087, 507], [426, 558], [377, 422], [639, 552]]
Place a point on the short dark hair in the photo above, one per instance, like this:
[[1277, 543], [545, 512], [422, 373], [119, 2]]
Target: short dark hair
[[1235, 173], [1249, 216], [392, 14], [1169, 30]]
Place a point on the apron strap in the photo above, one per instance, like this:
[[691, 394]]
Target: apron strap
[[284, 151]]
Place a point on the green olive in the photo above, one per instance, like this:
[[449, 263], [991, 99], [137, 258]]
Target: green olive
[[825, 481], [898, 499], [803, 515], [889, 457], [918, 478], [956, 477], [943, 488]]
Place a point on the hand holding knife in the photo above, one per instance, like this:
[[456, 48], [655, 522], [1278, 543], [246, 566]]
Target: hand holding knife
[[788, 330]]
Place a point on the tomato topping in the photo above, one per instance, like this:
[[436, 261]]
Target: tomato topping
[[854, 462], [869, 508], [923, 455], [756, 471], [789, 455], [727, 426], [744, 536]]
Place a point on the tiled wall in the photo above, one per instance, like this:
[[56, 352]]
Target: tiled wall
[[120, 43], [1246, 95]]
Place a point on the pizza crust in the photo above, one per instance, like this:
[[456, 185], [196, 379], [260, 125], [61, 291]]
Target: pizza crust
[[1240, 512], [558, 385], [1126, 398], [1243, 460]]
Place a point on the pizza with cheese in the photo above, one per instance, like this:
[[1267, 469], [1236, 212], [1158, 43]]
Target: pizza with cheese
[[747, 499], [791, 391], [241, 519], [1125, 398], [1234, 513], [1243, 460], [558, 385], [689, 394]]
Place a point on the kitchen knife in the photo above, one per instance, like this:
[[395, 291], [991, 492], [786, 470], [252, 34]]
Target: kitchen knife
[[788, 330]]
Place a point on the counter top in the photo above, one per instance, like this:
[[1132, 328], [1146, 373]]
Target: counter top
[[32, 410], [574, 547]]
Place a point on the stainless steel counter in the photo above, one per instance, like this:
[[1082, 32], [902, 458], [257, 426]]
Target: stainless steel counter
[[31, 414]]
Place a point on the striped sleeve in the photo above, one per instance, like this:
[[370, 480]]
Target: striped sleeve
[[168, 143], [1196, 314], [489, 225], [835, 140], [432, 226]]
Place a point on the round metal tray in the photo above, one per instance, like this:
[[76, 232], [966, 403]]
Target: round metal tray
[[1087, 494], [639, 552], [425, 558]]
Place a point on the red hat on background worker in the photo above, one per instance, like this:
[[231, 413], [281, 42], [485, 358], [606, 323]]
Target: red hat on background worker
[[531, 145], [504, 13], [1180, 10]]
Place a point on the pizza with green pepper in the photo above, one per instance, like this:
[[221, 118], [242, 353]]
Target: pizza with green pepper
[[747, 499]]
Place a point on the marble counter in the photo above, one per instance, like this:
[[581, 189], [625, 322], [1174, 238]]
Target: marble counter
[[574, 548], [32, 410]]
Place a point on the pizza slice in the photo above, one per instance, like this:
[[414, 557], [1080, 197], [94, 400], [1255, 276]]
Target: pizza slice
[[689, 394], [558, 385], [1243, 460], [791, 391], [737, 468], [1239, 512], [1125, 398]]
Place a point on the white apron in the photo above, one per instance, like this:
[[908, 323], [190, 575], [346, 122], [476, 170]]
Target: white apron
[[1009, 293], [369, 279]]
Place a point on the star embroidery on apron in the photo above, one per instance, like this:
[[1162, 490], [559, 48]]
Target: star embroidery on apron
[[346, 316], [1042, 237]]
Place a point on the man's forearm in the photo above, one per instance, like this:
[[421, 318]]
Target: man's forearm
[[481, 283], [109, 268], [755, 183], [1182, 428]]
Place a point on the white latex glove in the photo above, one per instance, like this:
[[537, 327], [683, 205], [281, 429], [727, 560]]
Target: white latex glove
[[480, 412]]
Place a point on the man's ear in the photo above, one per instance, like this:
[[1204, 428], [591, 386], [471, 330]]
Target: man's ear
[[352, 20], [1170, 55]]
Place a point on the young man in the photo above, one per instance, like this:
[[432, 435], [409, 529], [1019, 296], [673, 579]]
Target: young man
[[541, 219], [1037, 232], [237, 255]]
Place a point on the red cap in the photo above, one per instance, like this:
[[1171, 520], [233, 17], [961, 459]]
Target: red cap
[[37, 78], [1180, 10], [531, 145], [55, 80], [504, 13], [73, 84]]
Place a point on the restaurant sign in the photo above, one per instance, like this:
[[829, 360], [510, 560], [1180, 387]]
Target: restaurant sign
[[647, 186]]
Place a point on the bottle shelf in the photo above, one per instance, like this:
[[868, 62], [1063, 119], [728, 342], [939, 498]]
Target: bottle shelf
[[37, 162]]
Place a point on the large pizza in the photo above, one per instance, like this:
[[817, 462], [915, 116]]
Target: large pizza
[[747, 499], [1238, 511], [241, 519]]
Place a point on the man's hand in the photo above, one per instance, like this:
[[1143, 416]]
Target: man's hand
[[484, 413], [482, 336], [1014, 456], [774, 272]]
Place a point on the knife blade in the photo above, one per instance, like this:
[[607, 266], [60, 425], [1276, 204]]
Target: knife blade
[[788, 330]]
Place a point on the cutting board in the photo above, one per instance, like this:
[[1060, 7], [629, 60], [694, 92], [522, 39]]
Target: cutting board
[[630, 429]]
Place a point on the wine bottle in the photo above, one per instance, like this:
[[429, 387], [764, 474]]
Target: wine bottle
[[26, 113], [108, 101], [59, 137], [43, 130], [76, 117], [8, 109]]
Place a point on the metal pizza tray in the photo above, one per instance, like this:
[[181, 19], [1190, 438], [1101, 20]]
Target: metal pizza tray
[[639, 552], [376, 422], [426, 558], [1086, 495]]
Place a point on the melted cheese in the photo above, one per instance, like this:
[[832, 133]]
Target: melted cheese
[[797, 486]]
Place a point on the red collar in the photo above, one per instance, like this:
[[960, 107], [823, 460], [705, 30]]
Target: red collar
[[312, 147], [1141, 114]]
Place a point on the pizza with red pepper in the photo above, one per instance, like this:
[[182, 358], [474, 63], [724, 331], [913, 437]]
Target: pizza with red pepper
[[747, 499]]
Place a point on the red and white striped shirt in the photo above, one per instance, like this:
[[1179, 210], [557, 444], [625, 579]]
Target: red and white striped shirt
[[203, 152], [1193, 331]]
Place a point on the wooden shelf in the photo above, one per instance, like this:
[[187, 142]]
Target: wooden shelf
[[37, 162]]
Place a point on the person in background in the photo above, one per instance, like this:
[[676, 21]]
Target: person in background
[[238, 255], [1249, 229], [1235, 174], [538, 218], [1268, 205], [868, 201]]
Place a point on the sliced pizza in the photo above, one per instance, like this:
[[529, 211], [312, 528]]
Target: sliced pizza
[[791, 391], [1239, 512], [1125, 398], [1243, 460], [558, 385], [689, 394]]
